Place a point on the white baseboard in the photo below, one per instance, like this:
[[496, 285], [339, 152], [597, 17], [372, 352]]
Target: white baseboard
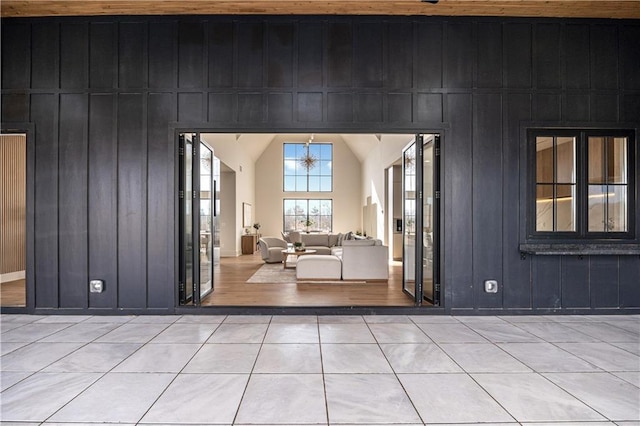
[[12, 276], [229, 253]]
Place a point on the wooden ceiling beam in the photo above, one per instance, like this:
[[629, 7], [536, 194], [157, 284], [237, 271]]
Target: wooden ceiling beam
[[620, 9]]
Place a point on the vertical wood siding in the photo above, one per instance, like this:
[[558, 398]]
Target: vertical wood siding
[[13, 203], [103, 93]]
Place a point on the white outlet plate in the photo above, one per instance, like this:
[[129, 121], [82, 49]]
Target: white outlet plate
[[96, 286], [491, 286]]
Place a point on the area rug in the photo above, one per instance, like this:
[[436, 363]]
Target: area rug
[[274, 273]]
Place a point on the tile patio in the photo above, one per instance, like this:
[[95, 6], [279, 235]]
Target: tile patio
[[320, 370]]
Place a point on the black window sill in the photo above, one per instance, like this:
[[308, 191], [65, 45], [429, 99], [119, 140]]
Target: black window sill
[[584, 249]]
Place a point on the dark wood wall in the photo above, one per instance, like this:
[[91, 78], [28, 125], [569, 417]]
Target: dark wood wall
[[104, 96]]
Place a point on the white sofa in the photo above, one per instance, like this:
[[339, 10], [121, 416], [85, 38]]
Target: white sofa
[[360, 260], [318, 267], [366, 260]]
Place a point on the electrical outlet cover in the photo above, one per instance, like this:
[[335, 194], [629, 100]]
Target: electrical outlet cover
[[491, 286], [96, 286]]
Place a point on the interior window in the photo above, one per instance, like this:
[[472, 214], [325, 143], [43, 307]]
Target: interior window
[[308, 167], [308, 215]]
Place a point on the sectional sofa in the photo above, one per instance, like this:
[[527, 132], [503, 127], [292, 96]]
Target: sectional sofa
[[360, 260], [271, 247], [336, 257], [321, 243]]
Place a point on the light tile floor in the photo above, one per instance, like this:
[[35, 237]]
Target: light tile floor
[[321, 370]]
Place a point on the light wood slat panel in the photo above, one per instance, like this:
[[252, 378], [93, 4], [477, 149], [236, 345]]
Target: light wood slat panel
[[530, 8], [12, 203]]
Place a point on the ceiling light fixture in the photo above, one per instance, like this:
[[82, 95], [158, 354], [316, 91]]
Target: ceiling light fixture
[[308, 160]]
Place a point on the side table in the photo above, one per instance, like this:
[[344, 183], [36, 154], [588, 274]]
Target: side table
[[249, 243]]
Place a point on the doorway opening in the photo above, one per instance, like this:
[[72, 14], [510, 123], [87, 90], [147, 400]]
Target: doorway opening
[[13, 183], [253, 188]]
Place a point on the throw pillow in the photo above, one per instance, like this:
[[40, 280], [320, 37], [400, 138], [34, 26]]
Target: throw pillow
[[340, 238]]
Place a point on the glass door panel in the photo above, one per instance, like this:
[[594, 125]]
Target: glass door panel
[[409, 205], [431, 219], [199, 237], [421, 206], [215, 246], [427, 221], [186, 219], [206, 220]]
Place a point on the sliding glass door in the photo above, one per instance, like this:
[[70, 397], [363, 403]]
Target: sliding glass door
[[421, 206], [197, 218]]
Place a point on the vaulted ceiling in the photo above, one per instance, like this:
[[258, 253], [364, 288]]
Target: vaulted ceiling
[[515, 8], [254, 144]]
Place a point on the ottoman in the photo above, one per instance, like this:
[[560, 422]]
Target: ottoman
[[318, 267]]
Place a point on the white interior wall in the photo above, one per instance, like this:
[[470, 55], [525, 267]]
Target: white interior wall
[[347, 188], [231, 153], [383, 152], [228, 230], [396, 211]]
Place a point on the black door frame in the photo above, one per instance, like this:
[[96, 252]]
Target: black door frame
[[418, 290], [177, 128], [191, 197], [184, 199]]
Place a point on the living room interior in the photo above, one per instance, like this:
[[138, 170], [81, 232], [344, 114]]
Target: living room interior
[[260, 179]]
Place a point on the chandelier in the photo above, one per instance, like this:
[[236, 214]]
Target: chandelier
[[409, 159], [308, 160], [205, 161]]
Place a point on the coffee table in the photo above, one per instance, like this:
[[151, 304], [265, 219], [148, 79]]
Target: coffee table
[[287, 253]]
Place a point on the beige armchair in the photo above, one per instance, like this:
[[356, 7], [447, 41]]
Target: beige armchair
[[271, 249]]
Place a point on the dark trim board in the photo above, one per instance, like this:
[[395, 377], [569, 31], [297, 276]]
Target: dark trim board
[[314, 310], [378, 310], [103, 97]]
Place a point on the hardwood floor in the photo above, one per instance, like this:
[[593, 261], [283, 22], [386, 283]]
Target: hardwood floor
[[231, 289], [13, 293]]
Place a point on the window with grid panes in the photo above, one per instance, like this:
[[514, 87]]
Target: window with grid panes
[[308, 215], [583, 184], [308, 167]]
